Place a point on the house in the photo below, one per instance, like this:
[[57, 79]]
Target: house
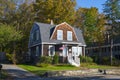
[[62, 39], [107, 49]]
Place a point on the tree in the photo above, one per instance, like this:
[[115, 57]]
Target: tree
[[56, 10], [112, 13], [21, 18], [8, 34], [91, 23]]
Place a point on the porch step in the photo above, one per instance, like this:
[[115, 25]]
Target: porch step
[[74, 62]]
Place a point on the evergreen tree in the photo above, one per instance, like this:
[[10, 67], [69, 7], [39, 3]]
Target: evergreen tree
[[112, 13]]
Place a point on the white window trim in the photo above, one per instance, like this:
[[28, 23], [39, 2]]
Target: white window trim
[[79, 51], [53, 49], [69, 33], [60, 38]]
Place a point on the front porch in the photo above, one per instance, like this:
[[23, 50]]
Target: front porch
[[68, 53]]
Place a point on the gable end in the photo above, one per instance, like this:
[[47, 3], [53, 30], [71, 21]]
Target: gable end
[[64, 27]]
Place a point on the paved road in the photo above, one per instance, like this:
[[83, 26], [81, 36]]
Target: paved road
[[18, 73], [21, 74]]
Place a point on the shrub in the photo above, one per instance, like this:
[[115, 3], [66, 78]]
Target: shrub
[[95, 59], [45, 59], [9, 57], [55, 59], [105, 60], [86, 59], [42, 64], [116, 62]]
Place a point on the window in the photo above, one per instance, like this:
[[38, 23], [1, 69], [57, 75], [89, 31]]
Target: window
[[69, 35], [51, 50], [59, 35], [79, 51]]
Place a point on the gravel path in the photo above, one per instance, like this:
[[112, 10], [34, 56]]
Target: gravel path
[[20, 74]]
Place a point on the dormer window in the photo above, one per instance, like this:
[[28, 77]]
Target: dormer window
[[69, 35], [59, 35]]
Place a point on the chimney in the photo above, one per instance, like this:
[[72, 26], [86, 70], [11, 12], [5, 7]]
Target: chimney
[[52, 22]]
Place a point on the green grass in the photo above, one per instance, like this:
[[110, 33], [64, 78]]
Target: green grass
[[95, 66], [41, 70]]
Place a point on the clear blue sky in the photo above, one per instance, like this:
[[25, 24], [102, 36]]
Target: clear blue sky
[[91, 3]]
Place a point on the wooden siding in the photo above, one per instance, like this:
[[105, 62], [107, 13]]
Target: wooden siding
[[65, 28], [45, 50]]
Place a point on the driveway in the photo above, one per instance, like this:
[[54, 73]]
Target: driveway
[[20, 74]]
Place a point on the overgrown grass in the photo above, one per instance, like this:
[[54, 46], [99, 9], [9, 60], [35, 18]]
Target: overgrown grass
[[41, 70]]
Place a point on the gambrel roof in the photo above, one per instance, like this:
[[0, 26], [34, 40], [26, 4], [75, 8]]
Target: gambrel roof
[[46, 31]]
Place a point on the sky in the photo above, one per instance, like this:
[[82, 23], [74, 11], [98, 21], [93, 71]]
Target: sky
[[91, 3]]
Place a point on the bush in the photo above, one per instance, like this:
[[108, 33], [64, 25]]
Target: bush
[[116, 62], [95, 59], [105, 60], [86, 59], [55, 59], [45, 59], [42, 64], [9, 57]]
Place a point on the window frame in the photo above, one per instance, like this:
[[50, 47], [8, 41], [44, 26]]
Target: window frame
[[51, 46], [69, 36], [59, 34]]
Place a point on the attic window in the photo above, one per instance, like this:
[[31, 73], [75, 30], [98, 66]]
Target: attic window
[[59, 35], [69, 35]]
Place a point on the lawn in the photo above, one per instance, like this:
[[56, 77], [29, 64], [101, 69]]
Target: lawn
[[41, 70], [95, 66]]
